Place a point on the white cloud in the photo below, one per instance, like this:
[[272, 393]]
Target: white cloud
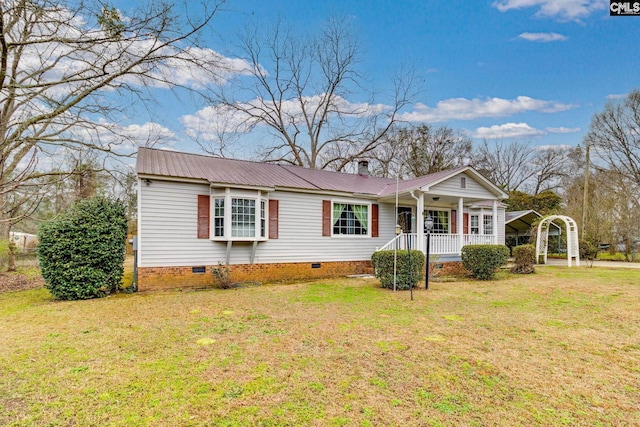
[[542, 37], [617, 96], [148, 134], [470, 109], [122, 139], [553, 147], [562, 130], [210, 123], [565, 10], [507, 130]]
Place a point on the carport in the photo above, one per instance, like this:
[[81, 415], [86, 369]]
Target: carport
[[518, 224]]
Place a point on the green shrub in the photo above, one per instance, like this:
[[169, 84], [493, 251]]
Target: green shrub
[[483, 260], [82, 252], [524, 257], [383, 265]]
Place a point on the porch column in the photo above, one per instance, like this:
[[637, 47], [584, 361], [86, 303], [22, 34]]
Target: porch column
[[495, 222], [460, 224], [420, 239]]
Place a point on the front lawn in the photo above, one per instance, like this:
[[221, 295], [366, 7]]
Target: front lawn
[[560, 347]]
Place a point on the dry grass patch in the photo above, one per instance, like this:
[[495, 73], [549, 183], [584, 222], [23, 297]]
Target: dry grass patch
[[558, 347]]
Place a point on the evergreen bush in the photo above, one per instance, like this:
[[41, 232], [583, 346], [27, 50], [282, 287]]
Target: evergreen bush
[[524, 258], [82, 252], [383, 265], [483, 260]]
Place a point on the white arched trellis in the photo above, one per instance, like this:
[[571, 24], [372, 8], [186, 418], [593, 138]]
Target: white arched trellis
[[573, 248]]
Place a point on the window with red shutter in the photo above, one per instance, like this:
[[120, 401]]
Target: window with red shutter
[[326, 217], [273, 219], [204, 208], [374, 220], [454, 222]]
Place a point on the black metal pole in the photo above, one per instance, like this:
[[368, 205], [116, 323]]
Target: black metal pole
[[406, 220], [426, 262]]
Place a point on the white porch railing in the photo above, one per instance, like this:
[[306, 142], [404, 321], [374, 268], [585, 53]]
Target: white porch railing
[[440, 244]]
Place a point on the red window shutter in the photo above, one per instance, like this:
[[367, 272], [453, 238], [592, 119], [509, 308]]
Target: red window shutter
[[326, 217], [465, 229], [454, 222], [273, 219], [204, 207], [374, 220]]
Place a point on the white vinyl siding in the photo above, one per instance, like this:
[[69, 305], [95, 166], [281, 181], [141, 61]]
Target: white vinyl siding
[[501, 230], [168, 230], [168, 225], [472, 190]]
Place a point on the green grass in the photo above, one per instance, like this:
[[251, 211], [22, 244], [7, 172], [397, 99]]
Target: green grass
[[560, 347]]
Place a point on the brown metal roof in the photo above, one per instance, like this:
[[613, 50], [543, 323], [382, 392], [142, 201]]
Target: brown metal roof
[[217, 170], [241, 172]]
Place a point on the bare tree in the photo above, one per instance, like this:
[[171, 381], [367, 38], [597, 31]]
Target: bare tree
[[550, 166], [508, 165], [421, 150], [612, 205], [300, 90], [69, 69], [615, 135], [517, 166]]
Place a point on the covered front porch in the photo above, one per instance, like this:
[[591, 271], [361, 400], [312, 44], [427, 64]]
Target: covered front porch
[[465, 208]]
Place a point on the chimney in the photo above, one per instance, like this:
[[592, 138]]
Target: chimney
[[363, 167]]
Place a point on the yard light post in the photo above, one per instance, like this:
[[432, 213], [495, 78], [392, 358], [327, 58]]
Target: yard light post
[[428, 226]]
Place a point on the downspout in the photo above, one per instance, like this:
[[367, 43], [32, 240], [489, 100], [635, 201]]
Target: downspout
[[134, 285]]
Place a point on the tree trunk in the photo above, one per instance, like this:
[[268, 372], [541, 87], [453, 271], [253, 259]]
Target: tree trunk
[[12, 256]]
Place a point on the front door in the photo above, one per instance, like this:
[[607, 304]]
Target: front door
[[404, 219]]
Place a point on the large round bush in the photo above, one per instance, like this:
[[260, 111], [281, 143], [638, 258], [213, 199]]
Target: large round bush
[[409, 268], [483, 260], [82, 252]]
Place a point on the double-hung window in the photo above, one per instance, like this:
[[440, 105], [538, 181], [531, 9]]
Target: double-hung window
[[440, 221], [350, 219], [488, 224], [218, 217], [474, 225]]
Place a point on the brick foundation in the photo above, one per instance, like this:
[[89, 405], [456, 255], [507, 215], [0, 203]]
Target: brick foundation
[[450, 268], [155, 278]]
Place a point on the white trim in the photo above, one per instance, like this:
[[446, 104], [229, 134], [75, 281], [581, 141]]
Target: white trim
[[477, 176], [460, 220], [139, 220], [237, 193], [171, 178], [242, 187]]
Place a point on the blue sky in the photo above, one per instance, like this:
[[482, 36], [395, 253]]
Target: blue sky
[[531, 70]]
